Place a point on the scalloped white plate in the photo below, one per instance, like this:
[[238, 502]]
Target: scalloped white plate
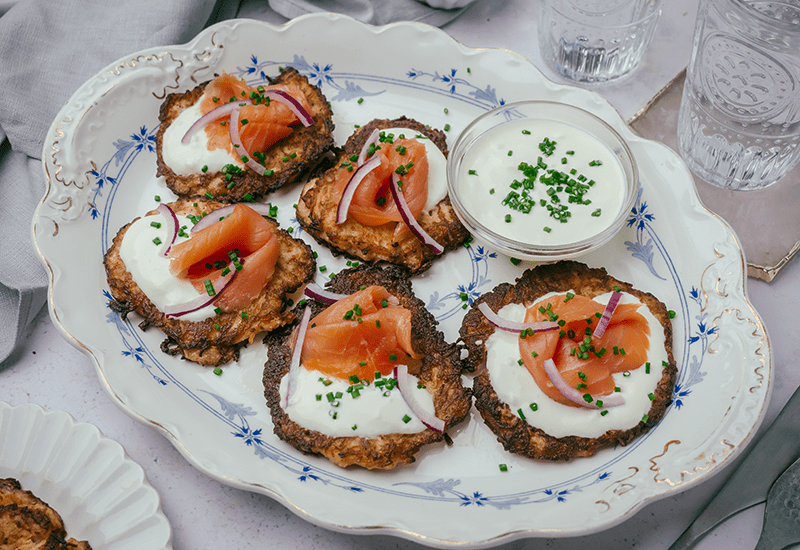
[[100, 164], [101, 494]]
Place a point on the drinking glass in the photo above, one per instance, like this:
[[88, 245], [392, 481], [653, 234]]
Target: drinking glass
[[596, 41], [739, 122]]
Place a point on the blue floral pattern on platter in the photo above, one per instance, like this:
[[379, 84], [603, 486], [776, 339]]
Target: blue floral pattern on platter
[[343, 87]]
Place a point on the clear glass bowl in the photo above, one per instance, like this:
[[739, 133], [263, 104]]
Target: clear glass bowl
[[480, 133]]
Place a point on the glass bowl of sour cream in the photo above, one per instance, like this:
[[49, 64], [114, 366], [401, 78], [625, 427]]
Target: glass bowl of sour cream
[[541, 180]]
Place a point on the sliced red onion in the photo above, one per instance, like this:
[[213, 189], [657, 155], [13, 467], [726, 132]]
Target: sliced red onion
[[513, 326], [352, 185], [321, 295], [294, 363], [172, 227], [412, 223], [211, 116], [371, 140], [213, 217], [261, 208], [297, 108], [238, 146], [202, 300], [406, 383], [225, 211], [612, 400], [600, 329]]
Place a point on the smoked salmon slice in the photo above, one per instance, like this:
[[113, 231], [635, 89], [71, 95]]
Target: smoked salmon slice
[[223, 89], [261, 124], [373, 203], [257, 270], [366, 332], [244, 238], [623, 346]]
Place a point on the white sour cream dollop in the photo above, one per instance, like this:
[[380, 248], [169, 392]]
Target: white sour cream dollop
[[488, 171], [369, 415], [190, 158], [150, 269]]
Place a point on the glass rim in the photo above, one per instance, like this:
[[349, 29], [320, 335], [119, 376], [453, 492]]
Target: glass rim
[[555, 5], [748, 10]]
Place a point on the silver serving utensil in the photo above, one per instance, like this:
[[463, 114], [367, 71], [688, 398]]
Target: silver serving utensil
[[782, 514]]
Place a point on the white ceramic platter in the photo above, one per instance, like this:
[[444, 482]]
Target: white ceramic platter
[[99, 492], [100, 164]]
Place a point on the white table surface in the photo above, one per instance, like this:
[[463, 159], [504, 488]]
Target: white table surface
[[204, 513]]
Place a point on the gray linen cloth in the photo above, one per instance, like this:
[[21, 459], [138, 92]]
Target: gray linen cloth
[[375, 12], [49, 48]]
